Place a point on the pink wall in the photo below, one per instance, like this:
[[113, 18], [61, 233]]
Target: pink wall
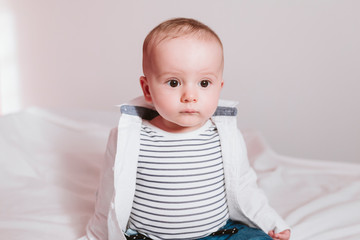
[[292, 65]]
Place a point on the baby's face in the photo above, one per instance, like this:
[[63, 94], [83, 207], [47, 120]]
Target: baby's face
[[183, 82]]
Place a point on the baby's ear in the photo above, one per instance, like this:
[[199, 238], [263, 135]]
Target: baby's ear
[[145, 87]]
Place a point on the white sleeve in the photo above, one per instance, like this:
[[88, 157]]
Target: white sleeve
[[97, 228], [252, 200]]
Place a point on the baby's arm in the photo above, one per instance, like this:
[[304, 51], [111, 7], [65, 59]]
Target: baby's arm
[[284, 235], [251, 199], [97, 227]]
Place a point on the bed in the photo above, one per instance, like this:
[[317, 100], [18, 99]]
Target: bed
[[50, 163]]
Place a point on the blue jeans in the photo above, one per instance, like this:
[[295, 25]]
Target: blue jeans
[[244, 233]]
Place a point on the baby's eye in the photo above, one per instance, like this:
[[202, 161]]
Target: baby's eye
[[173, 83], [204, 83]]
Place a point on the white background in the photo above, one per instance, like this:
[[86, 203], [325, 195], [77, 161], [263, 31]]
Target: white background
[[292, 65]]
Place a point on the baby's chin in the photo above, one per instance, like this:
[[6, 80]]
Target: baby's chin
[[185, 124]]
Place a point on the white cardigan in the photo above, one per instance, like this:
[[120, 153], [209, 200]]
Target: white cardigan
[[246, 202]]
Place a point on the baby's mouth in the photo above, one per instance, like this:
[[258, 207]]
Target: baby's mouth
[[189, 111]]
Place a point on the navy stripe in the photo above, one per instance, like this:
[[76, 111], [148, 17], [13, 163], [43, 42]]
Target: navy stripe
[[181, 175], [183, 195], [180, 209], [180, 140], [180, 202], [178, 151], [190, 188], [193, 156], [179, 182], [192, 162], [179, 169], [182, 145]]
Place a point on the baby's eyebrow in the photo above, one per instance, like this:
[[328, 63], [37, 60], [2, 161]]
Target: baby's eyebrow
[[211, 75], [168, 74]]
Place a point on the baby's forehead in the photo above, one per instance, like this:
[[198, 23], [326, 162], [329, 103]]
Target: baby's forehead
[[153, 48], [160, 40]]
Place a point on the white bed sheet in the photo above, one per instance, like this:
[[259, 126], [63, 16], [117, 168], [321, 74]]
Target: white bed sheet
[[49, 170]]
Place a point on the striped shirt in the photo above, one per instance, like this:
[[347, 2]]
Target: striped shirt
[[180, 189]]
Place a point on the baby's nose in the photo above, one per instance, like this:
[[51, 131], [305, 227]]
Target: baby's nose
[[189, 97]]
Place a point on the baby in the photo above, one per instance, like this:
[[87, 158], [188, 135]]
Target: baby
[[176, 167]]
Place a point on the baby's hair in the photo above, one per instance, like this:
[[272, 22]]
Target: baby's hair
[[174, 28]]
